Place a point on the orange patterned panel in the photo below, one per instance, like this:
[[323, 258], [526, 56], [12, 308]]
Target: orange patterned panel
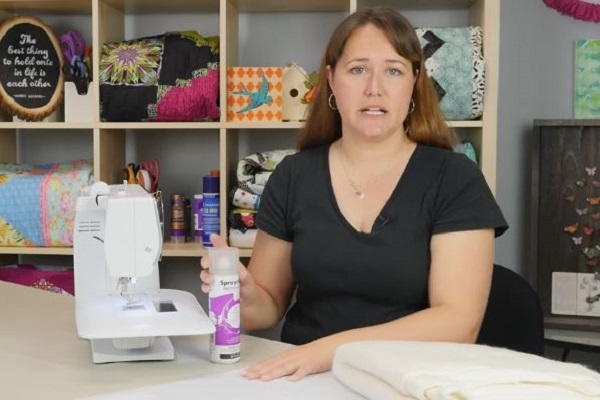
[[256, 103]]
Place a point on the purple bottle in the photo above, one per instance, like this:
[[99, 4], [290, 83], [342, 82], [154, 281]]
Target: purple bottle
[[197, 217], [178, 218], [224, 305]]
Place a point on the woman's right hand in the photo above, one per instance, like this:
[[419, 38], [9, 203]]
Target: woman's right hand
[[246, 281]]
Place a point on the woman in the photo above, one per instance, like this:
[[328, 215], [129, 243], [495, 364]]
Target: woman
[[382, 229]]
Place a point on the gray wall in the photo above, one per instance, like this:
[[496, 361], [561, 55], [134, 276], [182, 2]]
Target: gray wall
[[536, 81]]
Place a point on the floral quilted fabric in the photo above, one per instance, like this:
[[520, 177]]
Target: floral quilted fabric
[[454, 61], [171, 77], [37, 203]]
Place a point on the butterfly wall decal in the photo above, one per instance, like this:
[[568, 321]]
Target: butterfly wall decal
[[592, 252], [571, 228], [592, 262], [593, 201], [591, 171]]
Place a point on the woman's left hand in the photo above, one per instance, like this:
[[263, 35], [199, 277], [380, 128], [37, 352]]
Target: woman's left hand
[[310, 358]]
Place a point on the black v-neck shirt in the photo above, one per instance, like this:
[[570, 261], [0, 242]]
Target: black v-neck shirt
[[349, 279]]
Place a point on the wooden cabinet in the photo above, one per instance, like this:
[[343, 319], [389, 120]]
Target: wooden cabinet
[[565, 222], [252, 33]]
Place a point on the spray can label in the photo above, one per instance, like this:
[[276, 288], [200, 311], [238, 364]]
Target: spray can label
[[210, 217], [224, 312]]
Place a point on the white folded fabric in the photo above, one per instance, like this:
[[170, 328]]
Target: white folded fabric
[[244, 240], [400, 370]]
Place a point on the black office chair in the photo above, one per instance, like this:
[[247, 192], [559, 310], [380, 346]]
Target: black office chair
[[513, 318]]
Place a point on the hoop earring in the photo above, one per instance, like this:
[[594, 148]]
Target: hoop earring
[[329, 102], [411, 108]]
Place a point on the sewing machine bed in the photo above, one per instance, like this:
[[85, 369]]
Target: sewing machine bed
[[170, 313]]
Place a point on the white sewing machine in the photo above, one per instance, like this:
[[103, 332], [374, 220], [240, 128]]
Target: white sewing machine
[[119, 306]]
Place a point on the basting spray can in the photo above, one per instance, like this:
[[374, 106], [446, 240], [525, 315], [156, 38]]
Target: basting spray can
[[224, 305]]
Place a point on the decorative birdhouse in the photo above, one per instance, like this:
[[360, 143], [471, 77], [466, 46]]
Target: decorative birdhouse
[[254, 94], [294, 90]]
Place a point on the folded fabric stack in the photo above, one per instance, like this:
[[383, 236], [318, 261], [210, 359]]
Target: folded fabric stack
[[37, 203], [385, 370], [53, 279], [253, 172]]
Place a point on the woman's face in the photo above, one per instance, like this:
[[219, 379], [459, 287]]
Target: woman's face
[[372, 85]]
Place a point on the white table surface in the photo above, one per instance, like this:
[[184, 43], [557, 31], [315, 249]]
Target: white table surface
[[41, 356]]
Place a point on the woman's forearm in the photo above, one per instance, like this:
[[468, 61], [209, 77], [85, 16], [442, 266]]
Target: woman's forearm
[[442, 323], [258, 309]]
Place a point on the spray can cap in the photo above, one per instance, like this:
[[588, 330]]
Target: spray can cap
[[223, 260], [210, 184]]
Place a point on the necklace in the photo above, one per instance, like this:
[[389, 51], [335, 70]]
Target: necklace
[[358, 191]]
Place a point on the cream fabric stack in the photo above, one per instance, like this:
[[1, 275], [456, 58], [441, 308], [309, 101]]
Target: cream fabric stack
[[400, 370]]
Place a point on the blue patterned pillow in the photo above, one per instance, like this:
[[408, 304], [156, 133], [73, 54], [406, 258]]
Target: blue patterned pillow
[[454, 61]]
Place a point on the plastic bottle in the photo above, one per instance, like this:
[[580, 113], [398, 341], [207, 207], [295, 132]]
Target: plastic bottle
[[196, 222], [224, 305], [210, 208], [178, 227]]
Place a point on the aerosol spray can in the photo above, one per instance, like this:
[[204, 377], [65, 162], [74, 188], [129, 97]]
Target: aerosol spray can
[[210, 207], [224, 305]]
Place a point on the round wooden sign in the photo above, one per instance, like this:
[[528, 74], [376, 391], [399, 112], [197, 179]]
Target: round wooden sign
[[31, 78]]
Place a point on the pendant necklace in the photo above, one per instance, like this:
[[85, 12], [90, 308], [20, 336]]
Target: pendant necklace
[[358, 191]]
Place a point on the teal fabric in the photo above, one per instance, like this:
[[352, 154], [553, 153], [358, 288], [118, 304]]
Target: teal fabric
[[455, 63], [467, 149]]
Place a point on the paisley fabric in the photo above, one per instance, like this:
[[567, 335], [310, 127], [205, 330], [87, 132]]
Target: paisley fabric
[[454, 61], [170, 77], [37, 203]]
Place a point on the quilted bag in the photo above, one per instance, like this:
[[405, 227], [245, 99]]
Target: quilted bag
[[454, 61], [37, 202], [170, 77]]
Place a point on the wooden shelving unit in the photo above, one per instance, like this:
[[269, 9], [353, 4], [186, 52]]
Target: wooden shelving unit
[[109, 19]]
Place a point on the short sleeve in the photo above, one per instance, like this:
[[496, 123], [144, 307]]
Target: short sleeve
[[273, 211], [464, 200]]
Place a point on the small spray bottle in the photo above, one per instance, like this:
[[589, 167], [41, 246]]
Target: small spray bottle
[[224, 305]]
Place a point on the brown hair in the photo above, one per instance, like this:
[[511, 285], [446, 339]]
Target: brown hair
[[425, 124]]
